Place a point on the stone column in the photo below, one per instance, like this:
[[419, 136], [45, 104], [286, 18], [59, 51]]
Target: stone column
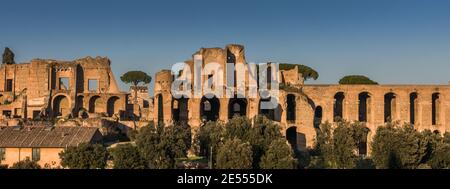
[[223, 112], [194, 112]]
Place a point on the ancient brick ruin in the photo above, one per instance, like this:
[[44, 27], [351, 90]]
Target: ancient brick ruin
[[86, 88], [303, 107]]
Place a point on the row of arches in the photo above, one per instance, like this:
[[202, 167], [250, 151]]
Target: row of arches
[[390, 107], [62, 106], [210, 107]]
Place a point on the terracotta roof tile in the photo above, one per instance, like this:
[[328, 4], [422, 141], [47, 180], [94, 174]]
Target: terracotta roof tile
[[29, 137]]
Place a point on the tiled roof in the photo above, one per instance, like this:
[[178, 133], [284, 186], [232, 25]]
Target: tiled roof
[[50, 137]]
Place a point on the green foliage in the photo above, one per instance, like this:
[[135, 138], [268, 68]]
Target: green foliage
[[235, 154], [441, 157], [8, 56], [440, 152], [356, 80], [323, 147], [338, 147], [25, 164], [343, 147], [365, 163], [136, 77], [84, 156], [178, 139], [259, 135], [278, 156], [126, 156], [209, 137], [238, 127], [307, 72], [131, 134], [403, 147], [262, 134], [160, 145]]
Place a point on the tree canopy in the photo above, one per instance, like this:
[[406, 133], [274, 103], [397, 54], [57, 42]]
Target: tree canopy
[[235, 154], [356, 80], [8, 56], [25, 164], [126, 156], [278, 156], [401, 146], [136, 77], [84, 156], [306, 71], [338, 147], [160, 145]]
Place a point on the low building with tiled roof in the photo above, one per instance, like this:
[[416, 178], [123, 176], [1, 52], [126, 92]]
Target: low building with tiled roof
[[42, 144]]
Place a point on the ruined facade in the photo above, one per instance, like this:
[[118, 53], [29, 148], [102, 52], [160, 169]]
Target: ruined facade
[[50, 89], [86, 88], [302, 108]]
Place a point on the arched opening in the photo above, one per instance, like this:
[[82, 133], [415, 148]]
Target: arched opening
[[413, 103], [61, 106], [145, 104], [113, 106], [291, 137], [94, 104], [237, 107], [209, 109], [180, 110], [338, 106], [318, 113], [362, 142], [159, 99], [291, 108], [273, 114], [231, 59], [80, 109], [364, 106], [435, 108], [390, 106]]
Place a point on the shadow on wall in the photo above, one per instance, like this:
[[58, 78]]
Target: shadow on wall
[[296, 140]]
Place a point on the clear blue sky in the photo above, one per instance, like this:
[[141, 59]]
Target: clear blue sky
[[391, 41]]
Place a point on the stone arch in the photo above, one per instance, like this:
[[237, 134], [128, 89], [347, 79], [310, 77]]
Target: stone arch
[[291, 136], [209, 108], [362, 145], [390, 106], [364, 106], [272, 114], [180, 110], [94, 104], [291, 107], [237, 107], [112, 105], [435, 108], [413, 108], [318, 114], [338, 106], [61, 105]]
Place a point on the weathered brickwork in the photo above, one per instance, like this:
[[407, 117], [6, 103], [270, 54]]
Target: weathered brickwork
[[49, 89], [303, 107]]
